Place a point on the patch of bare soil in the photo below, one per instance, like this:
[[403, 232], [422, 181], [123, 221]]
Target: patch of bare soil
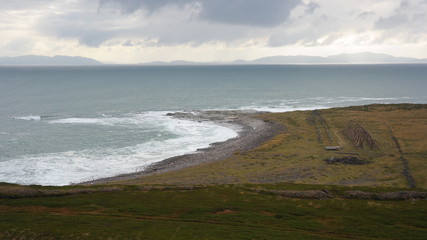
[[224, 212]]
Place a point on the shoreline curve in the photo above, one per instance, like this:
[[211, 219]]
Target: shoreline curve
[[253, 132]]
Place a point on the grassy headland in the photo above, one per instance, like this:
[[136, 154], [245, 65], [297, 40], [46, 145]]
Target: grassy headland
[[288, 188], [298, 154]]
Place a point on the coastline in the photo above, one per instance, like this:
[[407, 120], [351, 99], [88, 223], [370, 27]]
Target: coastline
[[252, 132]]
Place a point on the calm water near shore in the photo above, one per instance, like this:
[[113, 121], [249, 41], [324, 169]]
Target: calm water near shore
[[60, 125]]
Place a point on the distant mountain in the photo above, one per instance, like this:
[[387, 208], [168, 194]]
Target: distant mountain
[[360, 58], [342, 58], [287, 60], [44, 60], [178, 63]]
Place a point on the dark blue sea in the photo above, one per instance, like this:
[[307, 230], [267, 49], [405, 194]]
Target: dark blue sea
[[62, 125]]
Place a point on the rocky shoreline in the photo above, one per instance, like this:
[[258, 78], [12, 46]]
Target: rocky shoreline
[[252, 132]]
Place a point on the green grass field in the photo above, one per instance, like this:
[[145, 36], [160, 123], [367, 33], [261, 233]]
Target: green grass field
[[214, 212], [244, 197]]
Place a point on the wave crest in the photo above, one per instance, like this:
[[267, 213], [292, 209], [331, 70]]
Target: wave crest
[[29, 118]]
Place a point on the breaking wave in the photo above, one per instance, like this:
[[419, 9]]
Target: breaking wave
[[68, 167], [29, 118]]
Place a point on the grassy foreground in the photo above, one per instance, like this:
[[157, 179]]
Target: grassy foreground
[[214, 212], [282, 190]]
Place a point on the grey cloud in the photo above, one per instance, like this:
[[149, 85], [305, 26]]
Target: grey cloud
[[416, 22], [130, 6], [20, 45], [409, 17], [23, 4], [392, 22], [406, 24], [248, 12], [76, 26], [92, 31], [219, 20], [195, 22], [94, 38], [197, 34], [239, 12], [365, 15], [304, 34], [311, 7]]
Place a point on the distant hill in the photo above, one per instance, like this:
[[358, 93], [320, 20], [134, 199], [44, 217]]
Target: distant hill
[[178, 63], [45, 60], [301, 59], [342, 58]]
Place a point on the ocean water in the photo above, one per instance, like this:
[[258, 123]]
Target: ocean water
[[62, 125]]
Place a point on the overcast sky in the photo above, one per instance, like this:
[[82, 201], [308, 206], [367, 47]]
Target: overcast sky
[[134, 31]]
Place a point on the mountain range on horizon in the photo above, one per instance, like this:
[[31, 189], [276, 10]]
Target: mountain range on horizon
[[366, 57], [356, 58], [46, 60]]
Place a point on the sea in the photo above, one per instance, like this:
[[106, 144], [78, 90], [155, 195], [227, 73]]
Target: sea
[[68, 124]]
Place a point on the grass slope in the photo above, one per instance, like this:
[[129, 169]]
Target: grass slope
[[214, 212]]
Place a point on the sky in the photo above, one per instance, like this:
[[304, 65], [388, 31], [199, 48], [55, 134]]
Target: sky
[[137, 31]]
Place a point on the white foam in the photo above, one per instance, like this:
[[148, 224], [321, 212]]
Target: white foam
[[29, 118], [287, 105], [76, 166], [79, 121], [131, 120], [363, 99], [282, 109]]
